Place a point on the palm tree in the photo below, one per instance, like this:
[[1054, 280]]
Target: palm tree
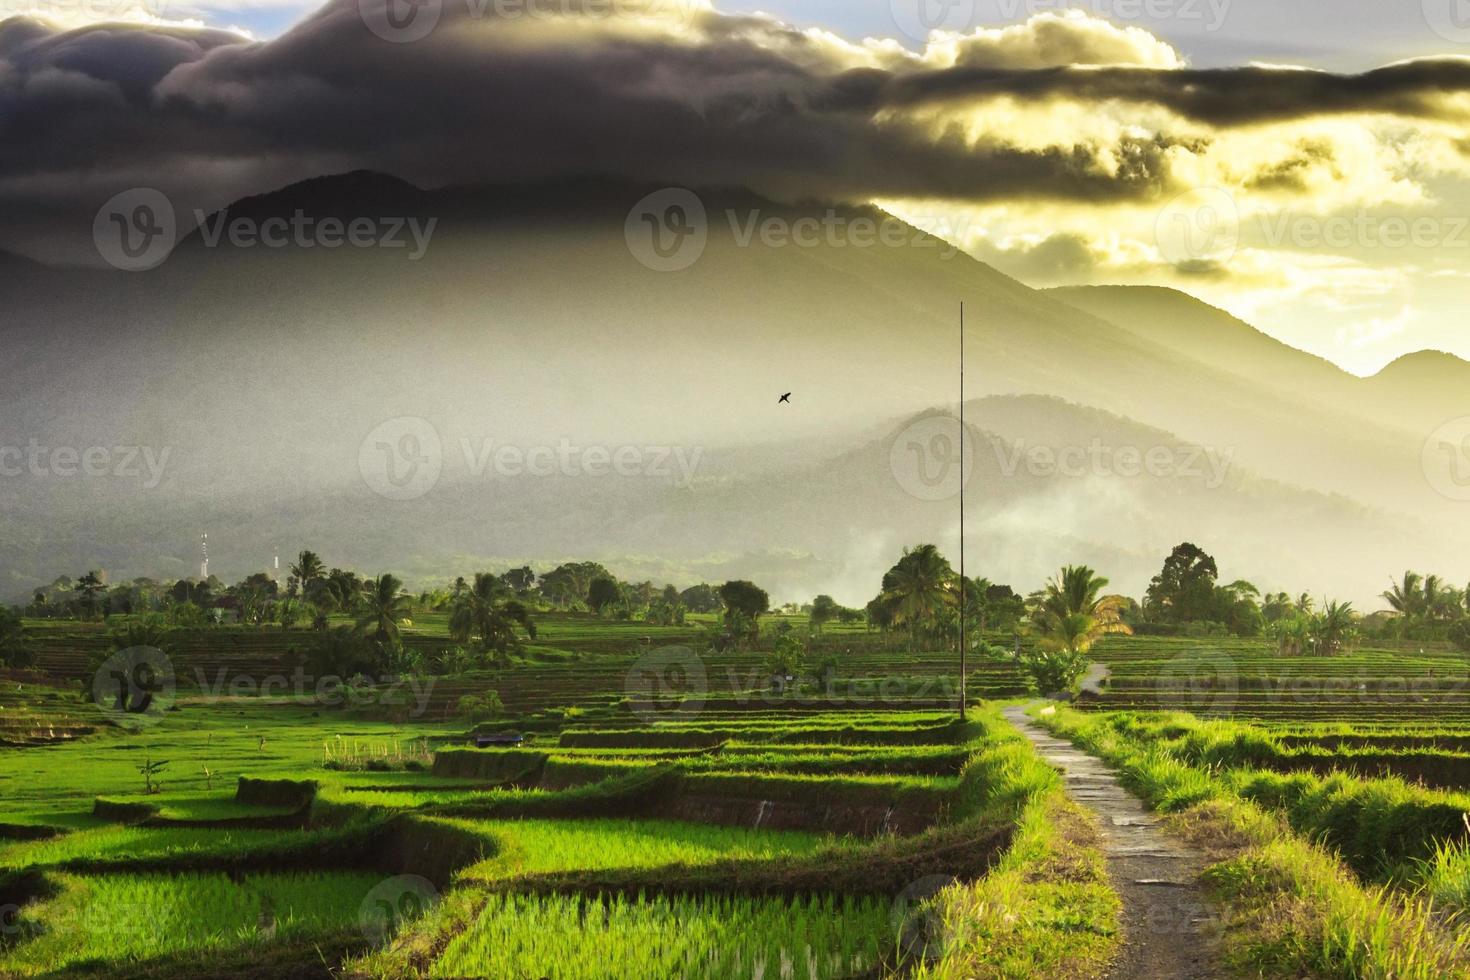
[[1407, 596], [89, 589], [1335, 628], [487, 611], [919, 588], [1071, 614], [383, 605], [308, 569]]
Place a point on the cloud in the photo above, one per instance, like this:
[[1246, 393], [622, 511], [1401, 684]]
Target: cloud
[[1051, 40], [1062, 108]]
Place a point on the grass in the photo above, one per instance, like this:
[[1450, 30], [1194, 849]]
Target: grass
[[1296, 908], [612, 938], [539, 846], [1047, 908], [118, 919]]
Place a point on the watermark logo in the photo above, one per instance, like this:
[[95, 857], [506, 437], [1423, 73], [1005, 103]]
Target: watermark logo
[[134, 687], [932, 459], [917, 19], [393, 903], [1210, 15], [1199, 226], [401, 21], [1450, 19], [402, 458], [1446, 459], [1201, 681], [135, 230], [141, 463], [918, 919], [302, 230], [1206, 465], [666, 681], [668, 230]]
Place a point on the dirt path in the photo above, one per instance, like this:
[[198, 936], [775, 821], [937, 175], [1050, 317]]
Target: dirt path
[[1171, 929]]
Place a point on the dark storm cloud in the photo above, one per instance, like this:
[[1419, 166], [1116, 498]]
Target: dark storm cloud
[[712, 99], [1220, 97]]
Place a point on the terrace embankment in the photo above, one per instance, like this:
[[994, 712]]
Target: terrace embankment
[[1168, 920]]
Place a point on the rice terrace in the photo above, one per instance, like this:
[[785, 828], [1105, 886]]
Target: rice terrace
[[500, 779], [734, 489]]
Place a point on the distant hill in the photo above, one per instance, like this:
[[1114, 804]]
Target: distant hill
[[530, 322]]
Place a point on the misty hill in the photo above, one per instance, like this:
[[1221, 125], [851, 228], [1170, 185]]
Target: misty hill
[[1416, 393], [1431, 386], [267, 374]]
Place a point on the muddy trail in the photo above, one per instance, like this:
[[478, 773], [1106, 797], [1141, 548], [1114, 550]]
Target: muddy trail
[[1171, 928]]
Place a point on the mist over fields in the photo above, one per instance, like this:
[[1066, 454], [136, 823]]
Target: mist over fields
[[257, 389]]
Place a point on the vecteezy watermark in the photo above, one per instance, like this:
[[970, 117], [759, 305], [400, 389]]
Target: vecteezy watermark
[[408, 691], [135, 230], [403, 459], [675, 463], [933, 458], [1364, 230], [135, 686], [406, 21], [668, 680], [1203, 681], [918, 919], [1446, 459], [143, 463], [1204, 464], [1209, 14], [1450, 19], [1199, 226], [306, 231], [393, 903], [668, 231]]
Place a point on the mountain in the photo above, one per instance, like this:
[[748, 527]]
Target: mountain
[[1429, 386], [274, 385], [1179, 322], [1416, 393]]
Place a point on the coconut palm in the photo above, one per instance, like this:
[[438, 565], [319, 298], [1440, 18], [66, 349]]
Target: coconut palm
[[486, 611], [383, 605], [919, 589], [1071, 614], [1336, 628], [90, 589], [1407, 596], [308, 569]]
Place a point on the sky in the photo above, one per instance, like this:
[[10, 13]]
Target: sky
[[1302, 165]]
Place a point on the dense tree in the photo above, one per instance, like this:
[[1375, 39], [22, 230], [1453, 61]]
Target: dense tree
[[745, 598], [824, 610], [566, 585], [603, 593], [745, 603], [1184, 591], [701, 598], [520, 580], [15, 651]]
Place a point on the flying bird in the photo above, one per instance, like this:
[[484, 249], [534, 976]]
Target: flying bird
[[785, 398]]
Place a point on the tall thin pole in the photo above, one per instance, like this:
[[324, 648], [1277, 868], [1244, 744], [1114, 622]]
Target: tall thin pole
[[964, 584]]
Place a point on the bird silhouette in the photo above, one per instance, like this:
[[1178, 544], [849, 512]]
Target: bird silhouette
[[785, 398]]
